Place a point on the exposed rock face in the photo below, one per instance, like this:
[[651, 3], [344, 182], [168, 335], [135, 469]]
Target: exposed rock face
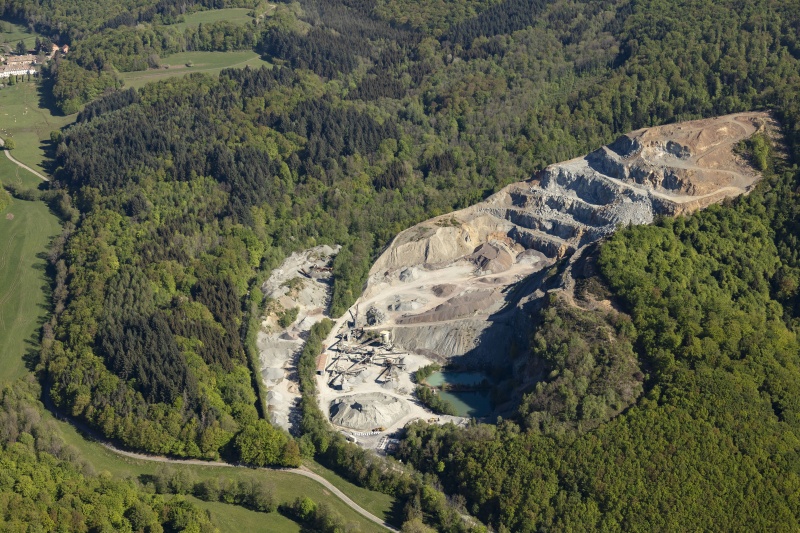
[[462, 266]]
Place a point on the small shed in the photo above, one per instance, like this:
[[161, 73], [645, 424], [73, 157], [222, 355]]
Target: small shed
[[322, 362]]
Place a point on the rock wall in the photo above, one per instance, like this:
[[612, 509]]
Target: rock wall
[[494, 256]]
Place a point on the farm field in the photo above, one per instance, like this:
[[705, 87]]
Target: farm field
[[24, 118], [207, 62], [26, 228], [11, 34], [233, 14]]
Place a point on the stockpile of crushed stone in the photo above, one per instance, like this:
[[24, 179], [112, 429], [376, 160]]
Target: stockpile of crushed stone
[[364, 412], [463, 305]]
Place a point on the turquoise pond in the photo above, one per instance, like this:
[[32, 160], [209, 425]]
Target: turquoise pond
[[467, 403]]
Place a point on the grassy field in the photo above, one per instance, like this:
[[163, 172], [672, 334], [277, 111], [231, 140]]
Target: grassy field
[[236, 15], [377, 503], [25, 118], [25, 231], [234, 519], [286, 486], [208, 62], [11, 34], [12, 175]]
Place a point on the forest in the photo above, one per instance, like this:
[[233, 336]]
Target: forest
[[719, 406], [45, 485], [678, 412]]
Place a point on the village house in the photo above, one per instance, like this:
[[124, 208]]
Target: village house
[[7, 71], [18, 66], [23, 60]]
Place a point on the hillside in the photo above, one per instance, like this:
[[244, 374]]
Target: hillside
[[646, 375], [481, 252], [460, 289]]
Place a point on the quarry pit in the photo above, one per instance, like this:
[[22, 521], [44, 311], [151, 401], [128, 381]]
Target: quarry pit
[[459, 288]]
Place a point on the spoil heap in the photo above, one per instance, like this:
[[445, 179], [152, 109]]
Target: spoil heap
[[301, 283]]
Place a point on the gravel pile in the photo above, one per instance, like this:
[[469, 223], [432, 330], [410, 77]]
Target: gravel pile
[[365, 412]]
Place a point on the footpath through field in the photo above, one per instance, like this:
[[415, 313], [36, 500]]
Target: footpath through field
[[23, 165]]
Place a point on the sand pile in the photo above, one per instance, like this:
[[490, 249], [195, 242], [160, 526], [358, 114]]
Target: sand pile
[[444, 290], [364, 412], [491, 257]]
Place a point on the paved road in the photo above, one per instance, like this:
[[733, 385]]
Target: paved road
[[302, 471], [26, 167]]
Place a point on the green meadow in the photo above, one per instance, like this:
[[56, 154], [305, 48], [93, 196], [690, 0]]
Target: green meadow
[[207, 62], [26, 228], [11, 34], [236, 15], [25, 117], [14, 176], [234, 519], [377, 503]]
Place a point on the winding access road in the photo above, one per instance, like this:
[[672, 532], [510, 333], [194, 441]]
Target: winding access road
[[23, 165], [302, 471]]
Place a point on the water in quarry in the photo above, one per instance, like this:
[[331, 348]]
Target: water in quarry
[[468, 403]]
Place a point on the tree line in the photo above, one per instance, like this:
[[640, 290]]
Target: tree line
[[47, 485]]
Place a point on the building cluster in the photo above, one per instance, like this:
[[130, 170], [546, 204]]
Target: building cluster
[[20, 65]]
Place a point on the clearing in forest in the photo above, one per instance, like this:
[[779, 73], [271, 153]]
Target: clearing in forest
[[11, 34], [207, 62], [236, 15], [23, 302]]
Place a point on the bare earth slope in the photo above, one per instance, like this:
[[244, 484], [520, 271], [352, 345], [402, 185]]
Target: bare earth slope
[[450, 288]]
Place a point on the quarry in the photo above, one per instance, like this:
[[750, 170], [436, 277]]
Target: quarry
[[459, 289], [302, 283]]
